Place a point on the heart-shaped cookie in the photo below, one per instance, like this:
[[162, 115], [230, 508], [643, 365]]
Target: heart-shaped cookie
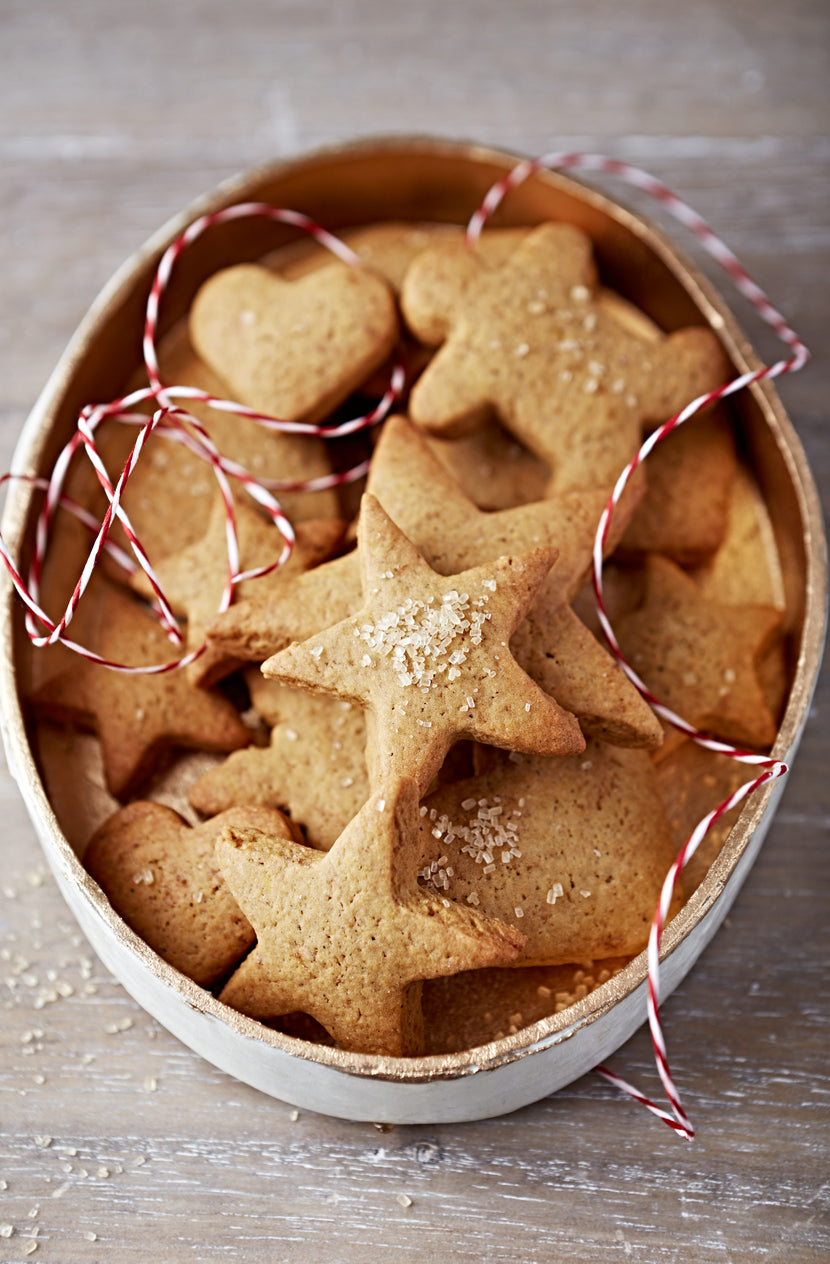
[[294, 349]]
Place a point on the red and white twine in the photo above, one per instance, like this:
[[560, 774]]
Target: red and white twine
[[171, 421], [770, 769]]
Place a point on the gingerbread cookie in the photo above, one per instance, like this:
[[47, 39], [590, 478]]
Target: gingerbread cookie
[[428, 655], [700, 658], [252, 630], [137, 718], [685, 512], [161, 876], [552, 645], [170, 494], [314, 769], [564, 657], [528, 342], [194, 579], [571, 851], [346, 936], [471, 1009], [294, 350], [452, 535], [748, 568], [692, 782], [493, 468]]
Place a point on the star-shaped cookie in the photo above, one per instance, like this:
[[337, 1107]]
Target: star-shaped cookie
[[685, 512], [136, 717], [700, 658], [527, 340], [193, 579], [452, 534], [428, 655], [161, 876], [571, 851], [314, 769], [347, 935]]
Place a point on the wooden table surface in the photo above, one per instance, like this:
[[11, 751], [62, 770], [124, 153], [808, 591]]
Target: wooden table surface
[[115, 1141]]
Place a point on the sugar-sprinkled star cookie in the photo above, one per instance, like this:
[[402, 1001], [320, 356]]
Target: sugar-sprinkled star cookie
[[552, 645], [137, 717], [700, 658], [347, 935], [161, 876], [513, 842], [528, 341], [294, 350], [193, 579], [425, 500], [429, 656]]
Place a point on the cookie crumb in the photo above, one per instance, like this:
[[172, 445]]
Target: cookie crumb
[[123, 1024]]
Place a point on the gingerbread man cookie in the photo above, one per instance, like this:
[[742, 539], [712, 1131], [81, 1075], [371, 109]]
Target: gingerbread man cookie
[[528, 341]]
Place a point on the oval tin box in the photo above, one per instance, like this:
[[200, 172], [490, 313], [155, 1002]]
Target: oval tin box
[[417, 181]]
